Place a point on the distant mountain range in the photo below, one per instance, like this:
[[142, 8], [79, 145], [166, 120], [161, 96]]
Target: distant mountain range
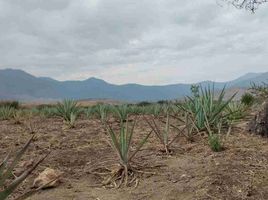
[[19, 85]]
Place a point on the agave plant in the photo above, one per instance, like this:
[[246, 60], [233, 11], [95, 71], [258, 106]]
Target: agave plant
[[67, 110], [102, 112], [136, 110], [121, 143], [6, 112], [235, 110], [8, 182], [156, 110], [90, 112], [164, 135], [122, 112], [18, 115], [190, 127], [71, 123], [206, 105]]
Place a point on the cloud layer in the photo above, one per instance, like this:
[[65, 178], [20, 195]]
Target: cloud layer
[[121, 41]]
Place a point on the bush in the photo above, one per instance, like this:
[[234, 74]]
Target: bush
[[10, 104], [247, 99], [163, 102], [144, 103]]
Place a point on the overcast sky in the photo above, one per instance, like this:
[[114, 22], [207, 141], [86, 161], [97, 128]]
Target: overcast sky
[[141, 41]]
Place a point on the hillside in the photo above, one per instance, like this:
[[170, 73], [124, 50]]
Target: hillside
[[17, 84]]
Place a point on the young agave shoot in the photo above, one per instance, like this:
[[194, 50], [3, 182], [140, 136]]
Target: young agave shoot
[[121, 142], [164, 134]]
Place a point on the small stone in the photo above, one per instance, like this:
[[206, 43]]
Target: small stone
[[49, 178], [184, 175]]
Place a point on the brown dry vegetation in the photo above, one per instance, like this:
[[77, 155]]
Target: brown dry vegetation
[[193, 171]]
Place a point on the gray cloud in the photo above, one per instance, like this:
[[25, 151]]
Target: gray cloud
[[146, 41]]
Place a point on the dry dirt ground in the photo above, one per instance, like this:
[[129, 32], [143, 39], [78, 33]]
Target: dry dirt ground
[[192, 172]]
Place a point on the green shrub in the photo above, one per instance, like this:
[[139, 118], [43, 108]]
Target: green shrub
[[161, 102], [247, 99], [215, 142], [11, 104], [144, 103]]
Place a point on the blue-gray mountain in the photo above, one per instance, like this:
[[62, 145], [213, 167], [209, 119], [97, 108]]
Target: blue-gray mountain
[[17, 84]]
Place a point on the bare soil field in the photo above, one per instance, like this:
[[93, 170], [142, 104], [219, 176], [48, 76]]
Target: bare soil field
[[193, 171]]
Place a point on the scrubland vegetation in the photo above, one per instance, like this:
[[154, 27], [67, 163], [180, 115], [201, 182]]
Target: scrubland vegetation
[[207, 115]]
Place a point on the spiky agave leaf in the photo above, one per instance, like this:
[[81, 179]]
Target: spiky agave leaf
[[164, 134], [6, 112], [122, 112], [102, 111], [206, 105], [122, 141], [6, 174], [66, 108]]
